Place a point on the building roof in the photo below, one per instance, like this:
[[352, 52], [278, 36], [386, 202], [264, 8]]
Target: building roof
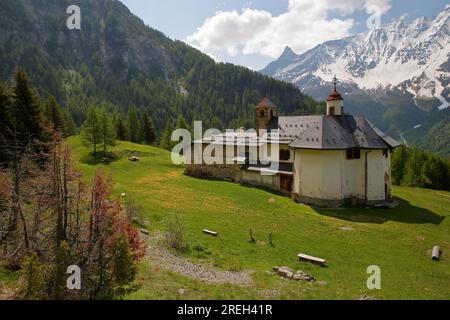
[[281, 167], [330, 133], [335, 96], [266, 103], [311, 132]]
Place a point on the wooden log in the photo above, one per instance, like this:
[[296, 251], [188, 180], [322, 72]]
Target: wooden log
[[436, 253], [270, 240], [210, 233], [144, 231], [252, 239], [315, 260]]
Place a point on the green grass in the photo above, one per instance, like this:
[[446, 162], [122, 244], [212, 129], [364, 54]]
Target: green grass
[[398, 240]]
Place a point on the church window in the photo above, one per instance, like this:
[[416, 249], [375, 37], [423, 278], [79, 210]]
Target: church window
[[354, 153], [332, 112], [285, 155]]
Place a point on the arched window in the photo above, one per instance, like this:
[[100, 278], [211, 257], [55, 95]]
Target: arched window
[[262, 114]]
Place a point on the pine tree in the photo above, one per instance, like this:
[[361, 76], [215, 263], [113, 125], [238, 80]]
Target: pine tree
[[5, 109], [69, 123], [121, 127], [27, 114], [181, 123], [55, 115], [5, 121], [91, 134], [148, 129], [413, 176], [399, 158], [133, 124], [166, 137]]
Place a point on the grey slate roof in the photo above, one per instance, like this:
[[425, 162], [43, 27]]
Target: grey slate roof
[[330, 133], [283, 167]]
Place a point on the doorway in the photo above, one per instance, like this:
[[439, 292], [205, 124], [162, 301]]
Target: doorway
[[286, 182]]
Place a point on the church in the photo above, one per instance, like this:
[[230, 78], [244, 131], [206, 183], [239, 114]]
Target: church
[[327, 160]]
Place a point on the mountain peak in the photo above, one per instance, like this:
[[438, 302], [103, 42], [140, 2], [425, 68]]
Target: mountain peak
[[288, 53]]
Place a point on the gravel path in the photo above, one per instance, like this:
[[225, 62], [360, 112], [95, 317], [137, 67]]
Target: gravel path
[[181, 265]]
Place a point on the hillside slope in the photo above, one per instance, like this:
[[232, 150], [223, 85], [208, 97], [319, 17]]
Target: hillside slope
[[116, 60], [397, 240]]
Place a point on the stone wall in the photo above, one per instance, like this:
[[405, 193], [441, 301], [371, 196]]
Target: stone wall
[[236, 174], [255, 178], [222, 172]]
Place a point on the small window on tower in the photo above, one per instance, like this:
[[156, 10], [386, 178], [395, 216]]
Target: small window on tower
[[262, 114], [332, 112]]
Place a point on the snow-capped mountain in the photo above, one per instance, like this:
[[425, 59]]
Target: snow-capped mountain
[[409, 57]]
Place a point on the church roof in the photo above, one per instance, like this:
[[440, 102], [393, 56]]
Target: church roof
[[335, 96], [266, 103], [330, 133]]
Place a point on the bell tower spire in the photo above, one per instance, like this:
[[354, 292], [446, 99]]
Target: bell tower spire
[[335, 102]]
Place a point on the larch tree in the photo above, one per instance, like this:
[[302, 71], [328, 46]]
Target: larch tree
[[55, 115], [148, 129], [166, 137], [91, 134], [107, 133], [133, 124], [120, 126]]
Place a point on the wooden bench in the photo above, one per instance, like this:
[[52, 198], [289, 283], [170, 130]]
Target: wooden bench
[[210, 233], [315, 260]]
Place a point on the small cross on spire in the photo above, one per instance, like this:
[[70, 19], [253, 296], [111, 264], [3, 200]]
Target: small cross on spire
[[335, 83]]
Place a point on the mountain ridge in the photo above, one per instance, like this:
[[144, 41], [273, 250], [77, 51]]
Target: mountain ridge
[[396, 76]]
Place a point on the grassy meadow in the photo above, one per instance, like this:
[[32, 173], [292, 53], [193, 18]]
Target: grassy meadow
[[398, 240]]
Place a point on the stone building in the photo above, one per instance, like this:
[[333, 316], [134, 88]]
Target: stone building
[[327, 160]]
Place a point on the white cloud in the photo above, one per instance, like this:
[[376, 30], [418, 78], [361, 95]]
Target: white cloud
[[305, 24]]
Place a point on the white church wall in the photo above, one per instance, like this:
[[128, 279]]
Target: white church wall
[[353, 176], [329, 175], [318, 174], [376, 175]]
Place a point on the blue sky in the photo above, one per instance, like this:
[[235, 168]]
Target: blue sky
[[253, 33]]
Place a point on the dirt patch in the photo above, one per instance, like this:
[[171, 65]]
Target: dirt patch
[[165, 259], [6, 293]]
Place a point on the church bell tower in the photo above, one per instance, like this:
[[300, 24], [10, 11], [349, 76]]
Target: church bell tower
[[335, 102], [265, 112]]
